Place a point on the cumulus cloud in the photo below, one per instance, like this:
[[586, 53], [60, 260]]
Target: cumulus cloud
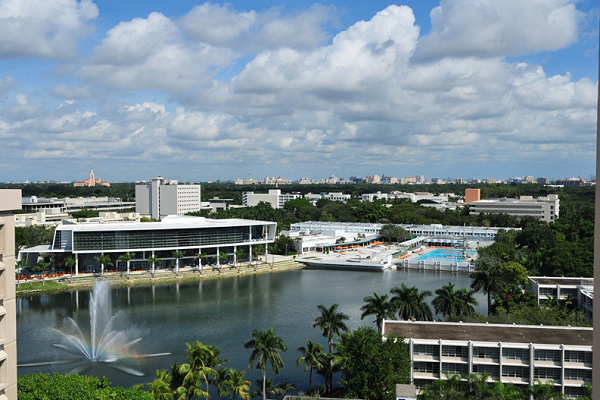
[[151, 53], [498, 28], [251, 31], [6, 85], [44, 28], [21, 108]]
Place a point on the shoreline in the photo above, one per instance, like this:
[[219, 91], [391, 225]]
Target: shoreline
[[145, 278]]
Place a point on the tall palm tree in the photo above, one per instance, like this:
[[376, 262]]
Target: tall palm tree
[[152, 260], [42, 267], [221, 382], [196, 371], [380, 307], [331, 322], [487, 277], [178, 256], [238, 385], [450, 301], [265, 345], [285, 387], [70, 263], [201, 257], [239, 253], [104, 259], [223, 256], [310, 358], [330, 363], [409, 303], [127, 257]]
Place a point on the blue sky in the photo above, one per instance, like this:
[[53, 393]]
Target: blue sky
[[206, 91]]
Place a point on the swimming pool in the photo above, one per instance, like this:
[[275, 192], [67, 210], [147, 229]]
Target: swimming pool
[[445, 255]]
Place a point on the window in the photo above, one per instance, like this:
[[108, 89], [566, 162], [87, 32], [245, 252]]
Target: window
[[515, 372], [516, 354], [578, 356], [454, 351], [492, 370], [547, 355], [486, 352], [453, 369], [427, 367], [547, 373], [426, 350], [578, 374]]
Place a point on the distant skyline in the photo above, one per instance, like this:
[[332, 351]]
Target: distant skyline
[[217, 91]]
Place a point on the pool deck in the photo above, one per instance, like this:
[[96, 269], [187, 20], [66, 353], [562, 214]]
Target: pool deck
[[411, 261]]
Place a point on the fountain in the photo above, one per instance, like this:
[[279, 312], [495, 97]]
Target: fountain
[[105, 344]]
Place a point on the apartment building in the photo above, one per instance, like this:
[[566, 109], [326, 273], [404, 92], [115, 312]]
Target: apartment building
[[580, 290], [10, 200], [164, 197], [517, 354], [543, 208]]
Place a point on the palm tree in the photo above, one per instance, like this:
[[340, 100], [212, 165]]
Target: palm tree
[[43, 267], [269, 388], [410, 303], [380, 307], [221, 382], [454, 302], [331, 322], [160, 387], [201, 257], [178, 256], [310, 358], [196, 371], [127, 258], [330, 363], [152, 260], [265, 345], [238, 385], [20, 266], [239, 253], [487, 277], [104, 259], [285, 387], [223, 256], [70, 263]]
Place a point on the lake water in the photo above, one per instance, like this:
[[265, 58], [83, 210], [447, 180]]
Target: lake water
[[220, 312]]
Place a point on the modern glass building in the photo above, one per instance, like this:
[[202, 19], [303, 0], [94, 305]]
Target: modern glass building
[[213, 239]]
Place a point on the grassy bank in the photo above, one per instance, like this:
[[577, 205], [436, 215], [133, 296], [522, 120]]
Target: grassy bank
[[145, 278]]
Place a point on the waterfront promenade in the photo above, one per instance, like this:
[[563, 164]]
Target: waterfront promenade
[[66, 282]]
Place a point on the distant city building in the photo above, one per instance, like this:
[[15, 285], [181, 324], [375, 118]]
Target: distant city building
[[164, 197], [276, 181], [250, 181], [437, 181], [528, 179], [10, 200], [419, 179], [472, 195], [459, 181], [273, 197], [543, 208], [333, 196], [569, 182], [91, 181], [490, 181], [515, 354], [543, 180], [305, 181], [373, 179]]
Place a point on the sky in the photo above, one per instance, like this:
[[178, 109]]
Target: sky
[[247, 89]]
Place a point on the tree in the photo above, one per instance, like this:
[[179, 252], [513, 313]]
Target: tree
[[487, 277], [223, 256], [196, 371], [42, 267], [266, 346], [103, 259], [152, 260], [221, 382], [514, 273], [380, 307], [239, 253], [410, 303], [310, 358], [127, 258], [70, 264], [285, 387], [395, 233], [372, 367], [454, 302], [178, 256], [73, 386], [238, 385], [160, 387], [201, 257], [331, 322], [20, 265]]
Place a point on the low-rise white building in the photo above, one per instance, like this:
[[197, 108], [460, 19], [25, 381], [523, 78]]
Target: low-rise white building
[[578, 289], [543, 208], [516, 354], [273, 197]]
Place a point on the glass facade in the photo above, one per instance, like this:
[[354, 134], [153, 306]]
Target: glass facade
[[166, 238]]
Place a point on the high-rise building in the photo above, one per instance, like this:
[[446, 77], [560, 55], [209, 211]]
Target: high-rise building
[[10, 200], [166, 197]]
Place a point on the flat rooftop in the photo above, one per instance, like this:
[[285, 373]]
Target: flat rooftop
[[552, 280], [574, 336]]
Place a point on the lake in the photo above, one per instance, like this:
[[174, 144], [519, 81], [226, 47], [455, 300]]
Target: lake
[[220, 312]]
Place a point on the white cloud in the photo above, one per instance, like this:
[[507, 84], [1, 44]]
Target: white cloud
[[44, 28], [151, 53], [22, 109], [71, 92], [498, 28]]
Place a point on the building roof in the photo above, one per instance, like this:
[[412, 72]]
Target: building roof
[[553, 280], [576, 336], [169, 222]]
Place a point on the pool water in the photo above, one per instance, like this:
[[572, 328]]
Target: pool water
[[445, 255]]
